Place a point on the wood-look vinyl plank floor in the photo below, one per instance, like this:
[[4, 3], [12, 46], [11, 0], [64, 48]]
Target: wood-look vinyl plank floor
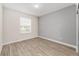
[[37, 47]]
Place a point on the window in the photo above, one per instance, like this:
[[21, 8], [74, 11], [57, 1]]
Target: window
[[25, 25]]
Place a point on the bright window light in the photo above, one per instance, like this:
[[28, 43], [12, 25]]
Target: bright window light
[[25, 25]]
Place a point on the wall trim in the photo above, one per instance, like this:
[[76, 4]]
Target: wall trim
[[17, 41], [66, 44]]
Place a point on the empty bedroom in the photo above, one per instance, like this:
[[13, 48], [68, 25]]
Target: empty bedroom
[[38, 29]]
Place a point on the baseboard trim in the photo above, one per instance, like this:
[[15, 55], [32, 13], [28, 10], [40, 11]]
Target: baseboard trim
[[17, 41], [66, 44]]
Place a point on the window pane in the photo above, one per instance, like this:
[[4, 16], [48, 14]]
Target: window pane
[[25, 25]]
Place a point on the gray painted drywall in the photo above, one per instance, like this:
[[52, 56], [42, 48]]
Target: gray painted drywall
[[59, 25]]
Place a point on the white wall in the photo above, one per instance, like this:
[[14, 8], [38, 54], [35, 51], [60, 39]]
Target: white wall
[[12, 26], [1, 27], [59, 25]]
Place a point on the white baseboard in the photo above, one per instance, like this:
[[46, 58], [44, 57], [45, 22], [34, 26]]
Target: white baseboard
[[66, 44], [17, 41]]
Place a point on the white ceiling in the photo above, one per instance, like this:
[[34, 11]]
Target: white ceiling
[[44, 8]]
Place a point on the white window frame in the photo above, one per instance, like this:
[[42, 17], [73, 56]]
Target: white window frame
[[25, 21]]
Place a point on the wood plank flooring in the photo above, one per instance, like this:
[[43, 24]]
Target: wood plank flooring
[[36, 47]]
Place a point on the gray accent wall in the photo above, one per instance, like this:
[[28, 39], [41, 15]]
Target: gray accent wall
[[59, 25]]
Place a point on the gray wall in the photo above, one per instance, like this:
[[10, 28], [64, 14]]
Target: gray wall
[[59, 25]]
